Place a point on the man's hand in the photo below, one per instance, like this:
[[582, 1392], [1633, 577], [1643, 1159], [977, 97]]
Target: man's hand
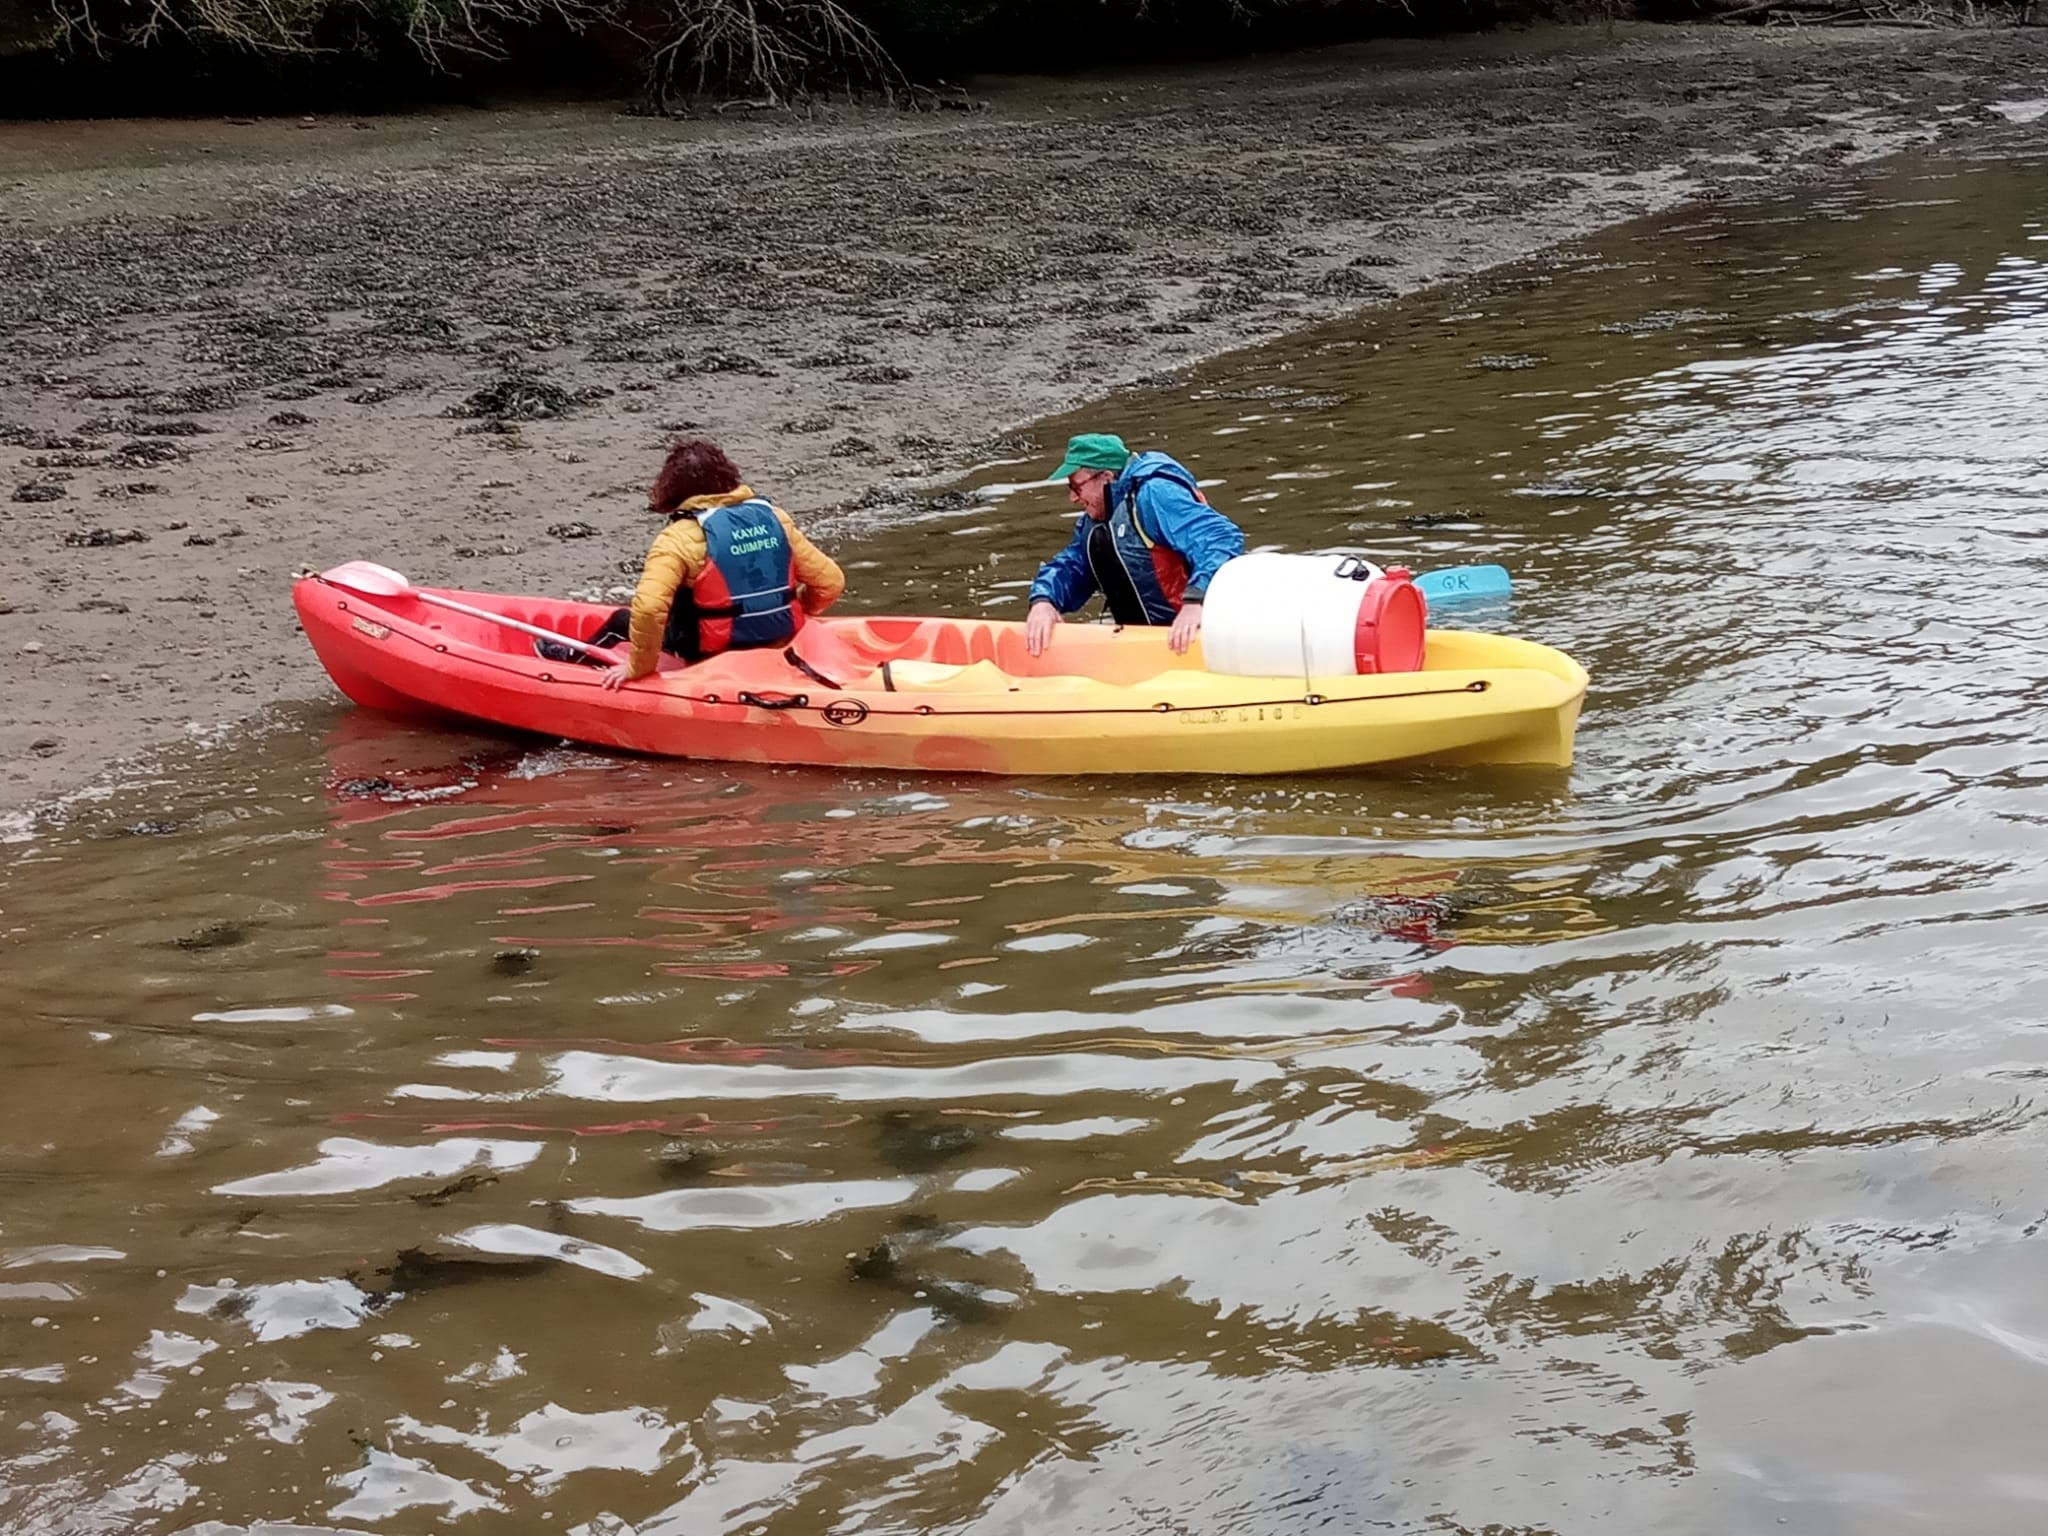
[[1186, 625], [1038, 626], [617, 677]]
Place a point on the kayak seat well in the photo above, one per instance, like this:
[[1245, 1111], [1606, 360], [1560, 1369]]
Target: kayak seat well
[[975, 677], [939, 677]]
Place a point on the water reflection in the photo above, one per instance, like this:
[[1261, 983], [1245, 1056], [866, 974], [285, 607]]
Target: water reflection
[[410, 1128]]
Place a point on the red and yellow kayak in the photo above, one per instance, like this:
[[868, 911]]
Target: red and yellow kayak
[[948, 695]]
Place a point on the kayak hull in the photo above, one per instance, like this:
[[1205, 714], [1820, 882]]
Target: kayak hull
[[955, 695]]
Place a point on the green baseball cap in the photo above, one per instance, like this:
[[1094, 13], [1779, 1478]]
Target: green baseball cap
[[1093, 450]]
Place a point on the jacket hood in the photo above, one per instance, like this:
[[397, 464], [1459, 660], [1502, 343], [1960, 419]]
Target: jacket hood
[[1146, 466]]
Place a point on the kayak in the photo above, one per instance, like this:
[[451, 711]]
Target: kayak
[[947, 695]]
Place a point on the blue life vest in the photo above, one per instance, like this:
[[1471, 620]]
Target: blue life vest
[[745, 596]]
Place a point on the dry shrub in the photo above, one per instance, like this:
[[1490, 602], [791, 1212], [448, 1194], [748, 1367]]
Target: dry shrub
[[774, 49]]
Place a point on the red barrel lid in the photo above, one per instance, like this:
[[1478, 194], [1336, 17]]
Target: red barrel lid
[[1392, 616]]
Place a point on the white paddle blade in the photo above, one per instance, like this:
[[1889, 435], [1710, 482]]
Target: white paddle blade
[[368, 578]]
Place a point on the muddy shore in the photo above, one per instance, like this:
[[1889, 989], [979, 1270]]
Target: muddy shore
[[457, 342]]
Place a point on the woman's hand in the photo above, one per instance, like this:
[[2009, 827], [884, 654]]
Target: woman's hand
[[617, 677], [1186, 625], [1038, 626]]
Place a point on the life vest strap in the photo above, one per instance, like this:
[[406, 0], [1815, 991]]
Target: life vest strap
[[810, 671], [738, 609]]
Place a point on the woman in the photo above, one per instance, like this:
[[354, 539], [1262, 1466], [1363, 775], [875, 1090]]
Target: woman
[[729, 572]]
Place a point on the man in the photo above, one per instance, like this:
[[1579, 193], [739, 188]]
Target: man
[[1146, 539]]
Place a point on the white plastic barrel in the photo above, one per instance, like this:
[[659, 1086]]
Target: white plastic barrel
[[1271, 615]]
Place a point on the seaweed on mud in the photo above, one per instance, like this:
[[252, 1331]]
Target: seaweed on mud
[[420, 324], [145, 453], [839, 357], [1009, 445], [1353, 283], [103, 538], [138, 426], [192, 400], [716, 361], [882, 497], [517, 398]]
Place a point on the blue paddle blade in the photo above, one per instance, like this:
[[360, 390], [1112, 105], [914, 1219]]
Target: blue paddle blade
[[1462, 583]]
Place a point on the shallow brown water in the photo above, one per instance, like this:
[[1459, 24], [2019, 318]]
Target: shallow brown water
[[408, 1129]]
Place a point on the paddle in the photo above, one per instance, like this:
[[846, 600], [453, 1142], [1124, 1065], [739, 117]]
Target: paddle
[[373, 580], [1457, 583]]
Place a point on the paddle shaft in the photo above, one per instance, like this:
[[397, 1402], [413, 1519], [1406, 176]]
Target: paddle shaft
[[519, 624]]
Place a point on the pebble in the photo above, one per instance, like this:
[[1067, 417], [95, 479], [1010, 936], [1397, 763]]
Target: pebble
[[32, 648]]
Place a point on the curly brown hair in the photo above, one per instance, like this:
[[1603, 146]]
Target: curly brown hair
[[695, 466]]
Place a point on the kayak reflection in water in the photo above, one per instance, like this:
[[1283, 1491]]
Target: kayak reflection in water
[[729, 572], [1147, 540]]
